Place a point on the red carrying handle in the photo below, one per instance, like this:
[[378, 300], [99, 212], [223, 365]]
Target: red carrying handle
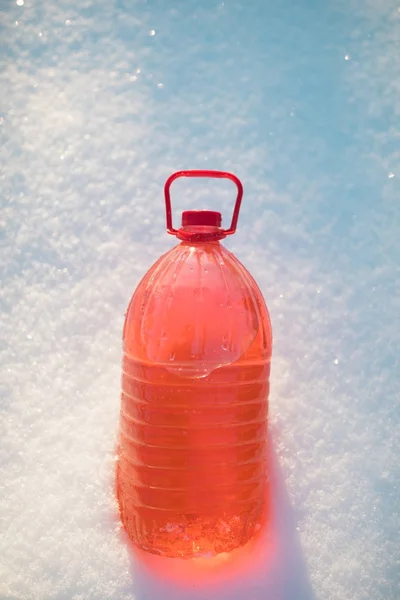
[[200, 173]]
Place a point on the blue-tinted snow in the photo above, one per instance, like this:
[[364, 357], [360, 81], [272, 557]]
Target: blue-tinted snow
[[100, 102]]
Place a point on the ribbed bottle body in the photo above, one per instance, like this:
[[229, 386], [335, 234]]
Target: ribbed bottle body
[[192, 466]]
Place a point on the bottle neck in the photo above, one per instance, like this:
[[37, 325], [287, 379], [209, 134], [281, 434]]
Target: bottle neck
[[200, 233]]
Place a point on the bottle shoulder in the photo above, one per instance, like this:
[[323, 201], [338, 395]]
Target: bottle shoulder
[[197, 304]]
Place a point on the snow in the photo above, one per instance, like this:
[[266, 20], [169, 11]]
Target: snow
[[101, 101]]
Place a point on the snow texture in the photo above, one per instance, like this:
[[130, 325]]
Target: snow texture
[[101, 101]]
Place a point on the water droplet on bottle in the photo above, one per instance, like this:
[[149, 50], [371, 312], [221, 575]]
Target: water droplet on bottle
[[172, 356], [225, 343]]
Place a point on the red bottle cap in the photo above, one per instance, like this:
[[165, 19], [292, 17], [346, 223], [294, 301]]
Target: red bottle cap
[[202, 224], [210, 218]]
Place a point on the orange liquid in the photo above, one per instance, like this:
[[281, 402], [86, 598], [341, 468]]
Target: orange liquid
[[191, 471]]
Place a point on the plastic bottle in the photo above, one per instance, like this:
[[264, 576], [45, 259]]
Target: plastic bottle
[[191, 470]]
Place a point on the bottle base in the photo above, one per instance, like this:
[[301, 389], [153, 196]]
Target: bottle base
[[190, 536], [198, 539]]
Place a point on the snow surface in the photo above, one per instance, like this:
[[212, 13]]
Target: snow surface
[[101, 101]]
